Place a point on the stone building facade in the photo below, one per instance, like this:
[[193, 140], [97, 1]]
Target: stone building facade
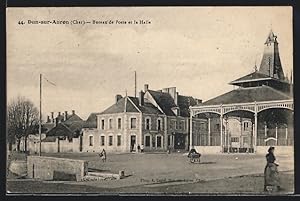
[[156, 120]]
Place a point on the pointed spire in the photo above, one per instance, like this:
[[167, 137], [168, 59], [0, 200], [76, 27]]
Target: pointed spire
[[271, 64], [271, 37]]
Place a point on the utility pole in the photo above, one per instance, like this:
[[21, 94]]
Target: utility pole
[[135, 84], [40, 121]]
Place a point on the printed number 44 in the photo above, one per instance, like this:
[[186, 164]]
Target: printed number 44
[[21, 22]]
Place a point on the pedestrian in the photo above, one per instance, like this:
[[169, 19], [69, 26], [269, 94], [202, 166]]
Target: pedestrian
[[103, 155], [271, 174], [142, 148], [139, 148]]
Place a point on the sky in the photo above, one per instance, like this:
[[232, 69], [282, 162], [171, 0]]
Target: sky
[[198, 50]]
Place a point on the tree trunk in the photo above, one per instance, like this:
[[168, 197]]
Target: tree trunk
[[25, 141]]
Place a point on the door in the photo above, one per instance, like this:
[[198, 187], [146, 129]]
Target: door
[[132, 142], [179, 141]]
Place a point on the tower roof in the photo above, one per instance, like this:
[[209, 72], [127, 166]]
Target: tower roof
[[271, 37], [270, 64]]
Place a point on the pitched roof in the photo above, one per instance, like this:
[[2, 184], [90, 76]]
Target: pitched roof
[[91, 121], [249, 94], [147, 108], [48, 126], [165, 101], [251, 77], [120, 107], [71, 118], [60, 130]]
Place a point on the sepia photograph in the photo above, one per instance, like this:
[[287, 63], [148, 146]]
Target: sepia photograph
[[150, 100]]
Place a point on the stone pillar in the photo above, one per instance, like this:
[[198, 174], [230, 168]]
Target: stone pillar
[[209, 143]]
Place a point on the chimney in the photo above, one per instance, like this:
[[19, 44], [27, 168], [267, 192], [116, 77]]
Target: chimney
[[198, 101], [117, 98], [52, 117], [141, 98], [146, 87], [48, 119], [73, 112], [66, 115], [55, 121], [176, 98]]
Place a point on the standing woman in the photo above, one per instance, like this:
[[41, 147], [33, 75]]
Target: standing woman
[[271, 172]]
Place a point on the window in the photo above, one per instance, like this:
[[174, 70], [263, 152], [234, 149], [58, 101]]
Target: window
[[91, 140], [235, 139], [147, 141], [246, 125], [133, 123], [102, 124], [159, 124], [119, 123], [110, 140], [119, 140], [169, 140], [217, 127], [102, 140], [158, 141], [110, 123], [176, 125], [147, 124], [181, 125]]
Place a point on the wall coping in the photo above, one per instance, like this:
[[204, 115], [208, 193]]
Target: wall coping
[[56, 158]]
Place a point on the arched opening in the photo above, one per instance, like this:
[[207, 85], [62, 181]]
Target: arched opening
[[275, 127]]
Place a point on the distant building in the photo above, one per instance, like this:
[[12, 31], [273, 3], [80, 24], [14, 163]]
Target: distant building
[[64, 125], [257, 114], [158, 120]]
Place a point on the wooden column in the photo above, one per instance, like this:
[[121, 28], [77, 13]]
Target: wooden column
[[209, 134], [221, 132], [255, 132], [191, 130], [286, 136], [265, 130], [276, 134]]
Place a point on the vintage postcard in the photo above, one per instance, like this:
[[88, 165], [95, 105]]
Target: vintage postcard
[[150, 100]]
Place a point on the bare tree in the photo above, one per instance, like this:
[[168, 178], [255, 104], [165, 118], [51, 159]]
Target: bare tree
[[22, 120]]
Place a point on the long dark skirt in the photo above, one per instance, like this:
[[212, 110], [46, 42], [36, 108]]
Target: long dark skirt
[[271, 176]]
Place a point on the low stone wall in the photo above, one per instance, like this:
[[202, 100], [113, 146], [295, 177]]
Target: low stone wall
[[47, 168], [208, 149], [279, 150]]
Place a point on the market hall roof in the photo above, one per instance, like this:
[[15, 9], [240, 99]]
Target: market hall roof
[[247, 95]]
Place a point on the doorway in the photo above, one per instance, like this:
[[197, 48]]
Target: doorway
[[179, 141], [132, 142]]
